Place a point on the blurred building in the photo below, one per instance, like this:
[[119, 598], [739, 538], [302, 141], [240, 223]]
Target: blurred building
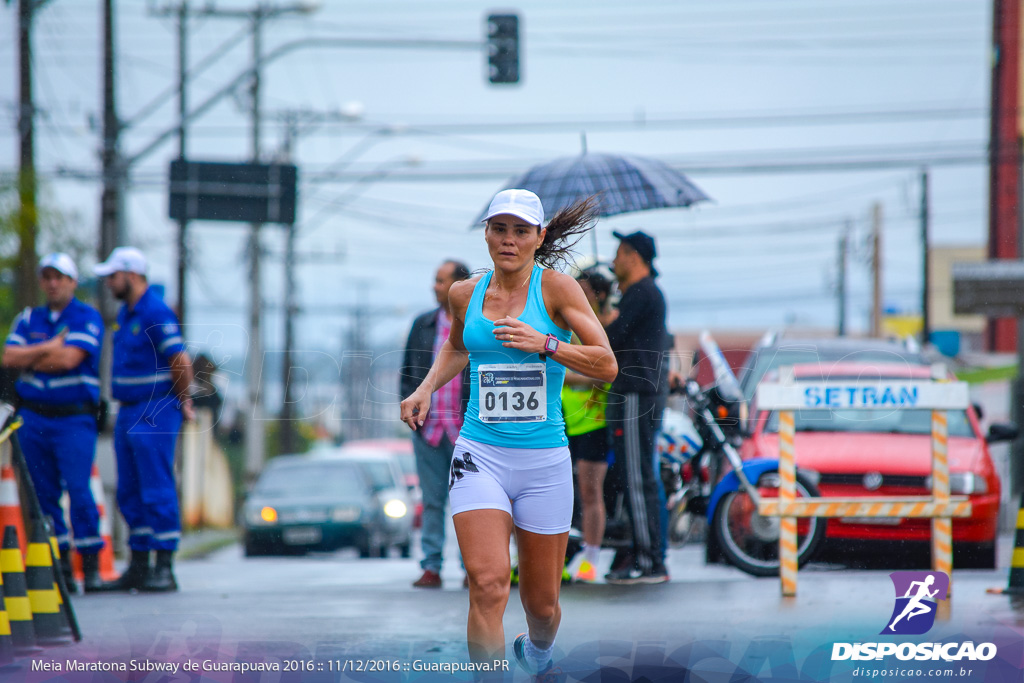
[[951, 333]]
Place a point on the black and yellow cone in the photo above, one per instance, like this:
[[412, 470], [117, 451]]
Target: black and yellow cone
[[43, 596], [19, 611], [57, 579], [6, 641], [1016, 583]]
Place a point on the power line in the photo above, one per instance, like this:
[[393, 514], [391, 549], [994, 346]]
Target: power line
[[638, 122]]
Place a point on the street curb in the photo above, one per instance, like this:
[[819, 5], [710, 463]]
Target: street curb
[[200, 548]]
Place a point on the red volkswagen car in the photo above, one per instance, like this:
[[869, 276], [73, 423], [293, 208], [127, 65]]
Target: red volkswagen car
[[887, 452]]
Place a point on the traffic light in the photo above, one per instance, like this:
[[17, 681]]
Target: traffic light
[[503, 48]]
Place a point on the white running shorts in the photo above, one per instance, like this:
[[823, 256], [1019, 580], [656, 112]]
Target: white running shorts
[[534, 485]]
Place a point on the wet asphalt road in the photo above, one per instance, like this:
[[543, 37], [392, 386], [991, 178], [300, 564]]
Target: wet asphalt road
[[338, 608]]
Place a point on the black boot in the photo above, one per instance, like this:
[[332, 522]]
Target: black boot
[[133, 578], [161, 578], [69, 575], [91, 581]]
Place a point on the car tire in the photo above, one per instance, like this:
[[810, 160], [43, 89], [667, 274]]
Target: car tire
[[712, 552], [253, 549], [975, 555], [371, 546]]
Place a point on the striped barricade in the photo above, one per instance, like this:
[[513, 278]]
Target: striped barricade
[[940, 396]]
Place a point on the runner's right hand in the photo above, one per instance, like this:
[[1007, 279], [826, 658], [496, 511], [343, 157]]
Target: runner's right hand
[[415, 409]]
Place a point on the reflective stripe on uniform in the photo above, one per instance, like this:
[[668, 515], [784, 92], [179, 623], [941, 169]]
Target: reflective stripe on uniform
[[29, 378], [72, 381], [81, 336], [169, 342], [143, 379], [88, 542]]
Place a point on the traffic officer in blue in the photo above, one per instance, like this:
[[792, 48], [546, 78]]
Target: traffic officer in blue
[[57, 349], [150, 379]]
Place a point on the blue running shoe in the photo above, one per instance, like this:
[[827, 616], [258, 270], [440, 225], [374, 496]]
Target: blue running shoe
[[548, 674], [519, 650]]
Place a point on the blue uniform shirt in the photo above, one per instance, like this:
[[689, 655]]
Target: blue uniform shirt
[[145, 340], [84, 328]]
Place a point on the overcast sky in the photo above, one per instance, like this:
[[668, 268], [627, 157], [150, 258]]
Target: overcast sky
[[748, 96]]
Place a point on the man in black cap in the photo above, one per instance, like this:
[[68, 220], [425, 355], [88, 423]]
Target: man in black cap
[[638, 336]]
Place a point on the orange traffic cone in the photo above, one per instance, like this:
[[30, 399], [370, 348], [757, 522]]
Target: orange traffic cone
[[106, 554], [10, 503]]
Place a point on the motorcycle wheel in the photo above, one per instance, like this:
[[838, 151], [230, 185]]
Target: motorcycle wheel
[[685, 527], [750, 541]]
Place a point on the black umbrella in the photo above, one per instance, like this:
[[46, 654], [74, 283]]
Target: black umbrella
[[623, 183]]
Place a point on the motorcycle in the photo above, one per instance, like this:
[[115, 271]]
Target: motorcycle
[[712, 487]]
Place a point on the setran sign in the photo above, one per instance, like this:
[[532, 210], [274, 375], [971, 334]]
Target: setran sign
[[859, 394], [246, 193], [994, 288]]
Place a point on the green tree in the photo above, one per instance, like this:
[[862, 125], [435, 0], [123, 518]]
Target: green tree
[[55, 233]]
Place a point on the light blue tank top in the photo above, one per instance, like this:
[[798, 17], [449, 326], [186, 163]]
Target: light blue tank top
[[508, 378]]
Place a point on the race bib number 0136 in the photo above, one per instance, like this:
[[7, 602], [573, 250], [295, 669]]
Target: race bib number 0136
[[513, 393]]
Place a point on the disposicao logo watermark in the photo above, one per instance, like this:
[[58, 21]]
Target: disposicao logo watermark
[[916, 596], [913, 614]]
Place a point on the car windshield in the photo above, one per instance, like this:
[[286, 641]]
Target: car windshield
[[380, 473], [407, 461], [872, 421], [771, 358], [313, 479]]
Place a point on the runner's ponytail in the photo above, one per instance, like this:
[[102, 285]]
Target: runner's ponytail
[[566, 228]]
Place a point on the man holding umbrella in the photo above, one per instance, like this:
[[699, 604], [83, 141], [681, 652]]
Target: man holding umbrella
[[637, 334]]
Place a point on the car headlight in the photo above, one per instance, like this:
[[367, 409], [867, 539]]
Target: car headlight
[[963, 483], [395, 509], [264, 515], [346, 514]]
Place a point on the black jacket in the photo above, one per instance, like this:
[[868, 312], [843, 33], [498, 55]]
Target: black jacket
[[419, 356], [639, 339]]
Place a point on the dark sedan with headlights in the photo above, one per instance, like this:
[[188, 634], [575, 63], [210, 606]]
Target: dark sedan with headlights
[[323, 502]]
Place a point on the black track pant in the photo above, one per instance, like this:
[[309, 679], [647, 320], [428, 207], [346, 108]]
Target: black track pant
[[631, 420]]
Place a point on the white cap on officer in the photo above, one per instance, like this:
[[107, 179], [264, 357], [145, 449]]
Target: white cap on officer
[[60, 262], [128, 259]]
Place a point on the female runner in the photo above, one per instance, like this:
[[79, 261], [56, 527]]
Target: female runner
[[511, 471]]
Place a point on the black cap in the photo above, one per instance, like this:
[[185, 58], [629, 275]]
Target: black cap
[[643, 244]]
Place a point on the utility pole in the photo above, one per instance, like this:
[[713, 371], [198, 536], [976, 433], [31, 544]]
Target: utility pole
[[355, 366], [844, 240], [254, 427], [110, 200], [876, 270], [926, 327], [1005, 129], [182, 153], [286, 428], [26, 289], [1017, 383], [254, 446]]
